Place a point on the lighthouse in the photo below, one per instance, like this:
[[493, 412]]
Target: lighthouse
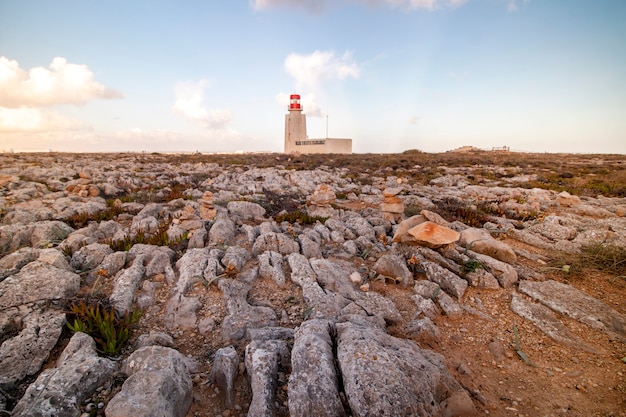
[[296, 140], [295, 124]]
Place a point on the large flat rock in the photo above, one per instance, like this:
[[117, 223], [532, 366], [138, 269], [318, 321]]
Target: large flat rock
[[574, 303]]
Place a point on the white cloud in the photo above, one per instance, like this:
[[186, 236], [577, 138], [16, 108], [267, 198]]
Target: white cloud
[[190, 105], [62, 83], [320, 5], [311, 5], [309, 70], [30, 119], [512, 5]]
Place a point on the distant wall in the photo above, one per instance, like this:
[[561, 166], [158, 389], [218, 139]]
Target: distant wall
[[329, 145]]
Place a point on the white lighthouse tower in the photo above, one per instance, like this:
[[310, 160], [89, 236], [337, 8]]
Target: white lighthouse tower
[[296, 140], [295, 124]]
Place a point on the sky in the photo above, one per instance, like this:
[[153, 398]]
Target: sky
[[393, 75]]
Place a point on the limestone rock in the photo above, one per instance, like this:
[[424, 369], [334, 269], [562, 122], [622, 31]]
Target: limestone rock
[[313, 383], [90, 256], [386, 376], [13, 262], [432, 235], [191, 267], [224, 373], [448, 281], [125, 286], [565, 199], [423, 329], [271, 266], [323, 196], [276, 242], [394, 266], [547, 321], [180, 312], [235, 258], [60, 391], [246, 210], [480, 278], [38, 281], [222, 232], [158, 384], [481, 241], [426, 306], [504, 273], [24, 354], [574, 303], [392, 206], [263, 360], [310, 248], [241, 315]]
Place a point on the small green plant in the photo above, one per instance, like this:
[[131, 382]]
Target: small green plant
[[365, 253], [110, 332], [471, 266], [519, 350], [306, 313], [300, 217]]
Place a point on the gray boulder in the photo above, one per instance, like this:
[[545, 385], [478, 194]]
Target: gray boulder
[[13, 237], [574, 303], [276, 242], [313, 384], [49, 232], [13, 262], [310, 248], [224, 373], [241, 316], [222, 232], [158, 385], [387, 376], [394, 266], [361, 227], [125, 286], [271, 266], [235, 258], [24, 354], [542, 317], [191, 268], [448, 281], [504, 273], [90, 256], [263, 361], [38, 282], [59, 391], [481, 241], [246, 210]]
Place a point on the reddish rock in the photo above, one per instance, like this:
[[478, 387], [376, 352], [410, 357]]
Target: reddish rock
[[402, 233], [432, 235]]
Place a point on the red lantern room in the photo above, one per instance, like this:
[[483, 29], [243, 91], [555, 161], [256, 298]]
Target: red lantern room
[[294, 102]]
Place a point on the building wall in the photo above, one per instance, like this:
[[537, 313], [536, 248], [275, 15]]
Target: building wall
[[296, 140], [330, 145], [295, 130]]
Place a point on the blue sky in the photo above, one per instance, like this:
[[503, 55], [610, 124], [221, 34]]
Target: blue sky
[[534, 75]]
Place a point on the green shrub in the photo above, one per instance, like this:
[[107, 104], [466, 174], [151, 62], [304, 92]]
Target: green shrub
[[110, 332]]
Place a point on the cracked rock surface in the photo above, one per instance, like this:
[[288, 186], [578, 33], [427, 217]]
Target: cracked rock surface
[[384, 295]]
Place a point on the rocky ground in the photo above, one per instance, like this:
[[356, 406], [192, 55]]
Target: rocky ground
[[282, 287]]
